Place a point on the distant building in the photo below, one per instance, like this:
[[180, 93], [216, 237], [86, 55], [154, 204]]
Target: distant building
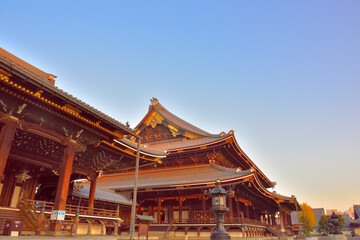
[[331, 211], [350, 212], [356, 212], [318, 213]]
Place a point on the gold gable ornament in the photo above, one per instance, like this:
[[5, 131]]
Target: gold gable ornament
[[154, 120], [174, 131]]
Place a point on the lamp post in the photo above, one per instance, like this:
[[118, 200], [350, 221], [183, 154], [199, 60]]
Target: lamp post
[[218, 195]]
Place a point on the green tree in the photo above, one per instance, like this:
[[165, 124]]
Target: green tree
[[324, 224], [341, 222], [307, 218]]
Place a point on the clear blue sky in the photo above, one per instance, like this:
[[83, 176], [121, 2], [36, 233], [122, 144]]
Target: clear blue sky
[[283, 74]]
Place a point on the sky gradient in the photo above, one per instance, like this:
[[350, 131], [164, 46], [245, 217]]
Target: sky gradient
[[284, 75]]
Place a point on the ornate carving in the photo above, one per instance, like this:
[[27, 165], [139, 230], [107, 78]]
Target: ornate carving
[[174, 130], [218, 158], [22, 177], [77, 186], [37, 145], [154, 120], [154, 101], [195, 158], [96, 160]]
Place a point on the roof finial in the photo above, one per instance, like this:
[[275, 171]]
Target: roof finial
[[154, 101]]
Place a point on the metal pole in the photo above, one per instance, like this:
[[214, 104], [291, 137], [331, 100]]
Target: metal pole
[[133, 207]]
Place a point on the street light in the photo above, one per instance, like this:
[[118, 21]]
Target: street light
[[218, 195]]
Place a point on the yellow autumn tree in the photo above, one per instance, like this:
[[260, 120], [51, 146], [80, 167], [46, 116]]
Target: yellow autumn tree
[[307, 218]]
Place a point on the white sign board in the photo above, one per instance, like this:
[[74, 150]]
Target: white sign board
[[54, 215], [61, 215], [58, 215]]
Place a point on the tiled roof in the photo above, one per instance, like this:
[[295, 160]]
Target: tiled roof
[[102, 195], [181, 144], [180, 122], [174, 120], [143, 149], [39, 77], [145, 218], [26, 66], [171, 177]]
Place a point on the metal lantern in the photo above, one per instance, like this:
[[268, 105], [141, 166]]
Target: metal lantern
[[218, 195]]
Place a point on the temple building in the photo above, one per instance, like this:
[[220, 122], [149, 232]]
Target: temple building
[[59, 153], [173, 192], [48, 139]]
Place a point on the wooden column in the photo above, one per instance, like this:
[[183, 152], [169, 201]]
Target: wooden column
[[180, 209], [231, 211], [159, 210], [92, 192], [289, 220], [237, 210], [282, 218], [150, 212], [203, 207], [64, 178], [273, 219], [247, 214], [171, 214], [6, 138]]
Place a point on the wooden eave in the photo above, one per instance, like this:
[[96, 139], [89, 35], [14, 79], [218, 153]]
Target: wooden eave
[[229, 139], [119, 129]]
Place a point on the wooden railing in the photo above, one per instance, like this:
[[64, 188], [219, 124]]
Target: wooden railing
[[213, 220], [38, 213], [28, 211], [48, 207]]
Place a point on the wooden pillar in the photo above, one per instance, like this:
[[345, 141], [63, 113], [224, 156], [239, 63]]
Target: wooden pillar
[[289, 220], [92, 192], [273, 219], [159, 211], [103, 228], [64, 178], [90, 222], [237, 210], [140, 209], [231, 211], [282, 218], [6, 138], [180, 209], [203, 208], [247, 213], [171, 214], [150, 212]]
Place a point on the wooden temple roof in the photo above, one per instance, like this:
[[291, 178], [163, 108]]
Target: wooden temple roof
[[193, 138], [102, 195], [186, 144], [187, 177], [47, 77], [200, 175], [174, 120], [41, 79]]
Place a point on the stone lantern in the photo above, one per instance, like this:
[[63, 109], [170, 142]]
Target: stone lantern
[[334, 224], [218, 195]]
